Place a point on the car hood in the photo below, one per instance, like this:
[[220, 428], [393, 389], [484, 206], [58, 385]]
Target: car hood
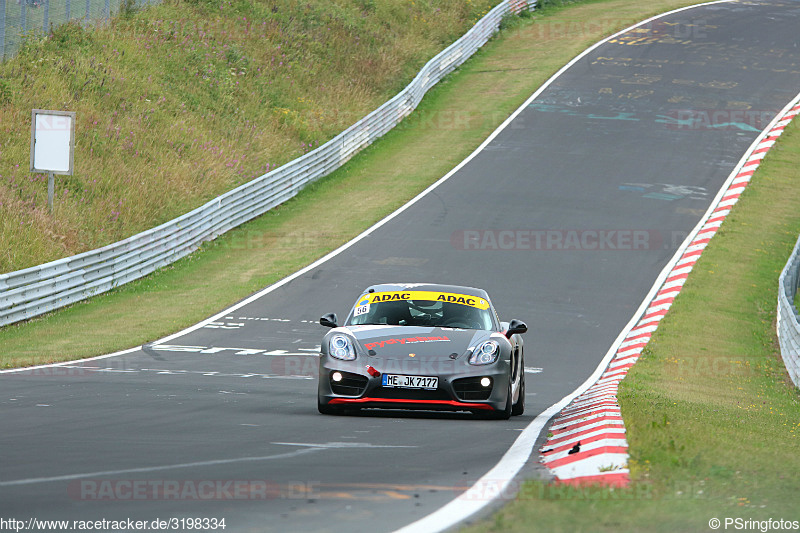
[[426, 343]]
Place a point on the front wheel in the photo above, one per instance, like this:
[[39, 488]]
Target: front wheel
[[519, 407], [326, 409], [505, 414]]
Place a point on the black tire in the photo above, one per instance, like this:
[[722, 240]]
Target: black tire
[[505, 414], [326, 409], [519, 407]]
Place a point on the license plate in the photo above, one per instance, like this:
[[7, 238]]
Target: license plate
[[410, 382]]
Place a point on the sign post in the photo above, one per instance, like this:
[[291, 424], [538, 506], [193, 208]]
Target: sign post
[[52, 145]]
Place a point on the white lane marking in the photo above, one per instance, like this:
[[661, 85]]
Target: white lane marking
[[224, 374], [100, 473], [213, 350], [533, 370], [267, 319], [65, 363], [225, 325], [177, 372], [283, 353], [228, 324]]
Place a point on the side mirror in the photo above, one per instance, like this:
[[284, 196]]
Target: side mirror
[[329, 320], [516, 327]]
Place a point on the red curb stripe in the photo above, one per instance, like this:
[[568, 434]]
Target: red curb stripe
[[593, 413], [578, 425], [585, 441], [576, 437], [665, 301], [633, 347], [699, 241], [647, 334], [592, 406], [585, 455], [615, 479]]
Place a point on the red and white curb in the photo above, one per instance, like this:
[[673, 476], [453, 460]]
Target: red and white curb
[[586, 442]]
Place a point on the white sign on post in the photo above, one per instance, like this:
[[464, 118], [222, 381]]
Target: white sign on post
[[52, 145], [52, 141]]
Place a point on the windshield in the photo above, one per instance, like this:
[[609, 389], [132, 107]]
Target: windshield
[[417, 308]]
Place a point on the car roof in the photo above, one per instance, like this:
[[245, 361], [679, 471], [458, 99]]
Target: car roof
[[432, 287]]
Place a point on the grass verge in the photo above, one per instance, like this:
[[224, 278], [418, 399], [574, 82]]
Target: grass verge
[[713, 420], [451, 122]]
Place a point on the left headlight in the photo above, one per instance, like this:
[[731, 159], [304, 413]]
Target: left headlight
[[486, 353], [341, 347]]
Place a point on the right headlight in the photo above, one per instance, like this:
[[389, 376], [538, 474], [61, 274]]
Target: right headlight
[[341, 347], [486, 353]]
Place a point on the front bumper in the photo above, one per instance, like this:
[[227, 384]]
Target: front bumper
[[459, 387]]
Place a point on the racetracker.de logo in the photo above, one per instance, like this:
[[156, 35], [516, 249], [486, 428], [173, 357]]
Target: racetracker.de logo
[[187, 490], [575, 240]]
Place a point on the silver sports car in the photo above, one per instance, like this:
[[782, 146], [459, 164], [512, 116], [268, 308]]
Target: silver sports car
[[422, 346]]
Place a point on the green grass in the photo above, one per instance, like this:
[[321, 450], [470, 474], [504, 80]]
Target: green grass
[[181, 102]]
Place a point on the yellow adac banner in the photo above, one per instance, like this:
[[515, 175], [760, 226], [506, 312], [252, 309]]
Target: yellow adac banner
[[463, 299]]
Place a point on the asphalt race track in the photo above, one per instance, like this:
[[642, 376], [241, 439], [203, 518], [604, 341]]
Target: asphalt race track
[[566, 219]]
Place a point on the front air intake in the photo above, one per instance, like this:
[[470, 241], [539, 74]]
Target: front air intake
[[350, 384], [471, 389]]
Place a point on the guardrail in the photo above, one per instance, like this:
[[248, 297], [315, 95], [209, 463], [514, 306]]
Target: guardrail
[[788, 317], [37, 290]]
